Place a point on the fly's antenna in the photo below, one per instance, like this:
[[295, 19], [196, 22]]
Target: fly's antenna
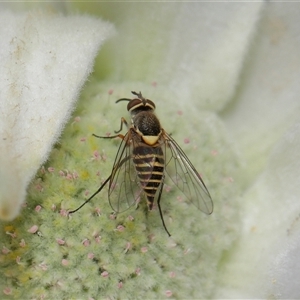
[[123, 99], [139, 95]]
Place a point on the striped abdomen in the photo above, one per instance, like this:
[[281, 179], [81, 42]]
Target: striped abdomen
[[149, 164]]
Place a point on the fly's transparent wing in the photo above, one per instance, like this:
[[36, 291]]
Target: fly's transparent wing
[[123, 191], [125, 188], [185, 176]]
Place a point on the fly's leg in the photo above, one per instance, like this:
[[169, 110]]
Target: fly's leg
[[121, 136], [123, 121], [88, 200], [159, 208]]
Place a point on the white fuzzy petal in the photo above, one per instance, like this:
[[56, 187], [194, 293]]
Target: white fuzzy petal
[[196, 50], [45, 60], [268, 100], [265, 262]]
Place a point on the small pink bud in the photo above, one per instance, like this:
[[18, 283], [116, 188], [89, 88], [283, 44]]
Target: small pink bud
[[33, 229]]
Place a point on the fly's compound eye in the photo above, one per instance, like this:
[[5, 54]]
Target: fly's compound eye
[[133, 104], [150, 104], [136, 103]]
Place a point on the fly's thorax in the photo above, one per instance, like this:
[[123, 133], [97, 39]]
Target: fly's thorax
[[147, 125]]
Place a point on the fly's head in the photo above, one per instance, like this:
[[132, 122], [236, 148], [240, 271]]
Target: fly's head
[[143, 119], [140, 104]]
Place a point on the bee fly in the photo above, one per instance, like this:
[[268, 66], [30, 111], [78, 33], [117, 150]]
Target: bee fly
[[145, 156]]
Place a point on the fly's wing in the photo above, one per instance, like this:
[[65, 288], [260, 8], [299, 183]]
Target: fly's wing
[[125, 188], [185, 176]]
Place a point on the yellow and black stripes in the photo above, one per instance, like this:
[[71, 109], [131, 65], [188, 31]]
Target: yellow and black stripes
[[149, 165]]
